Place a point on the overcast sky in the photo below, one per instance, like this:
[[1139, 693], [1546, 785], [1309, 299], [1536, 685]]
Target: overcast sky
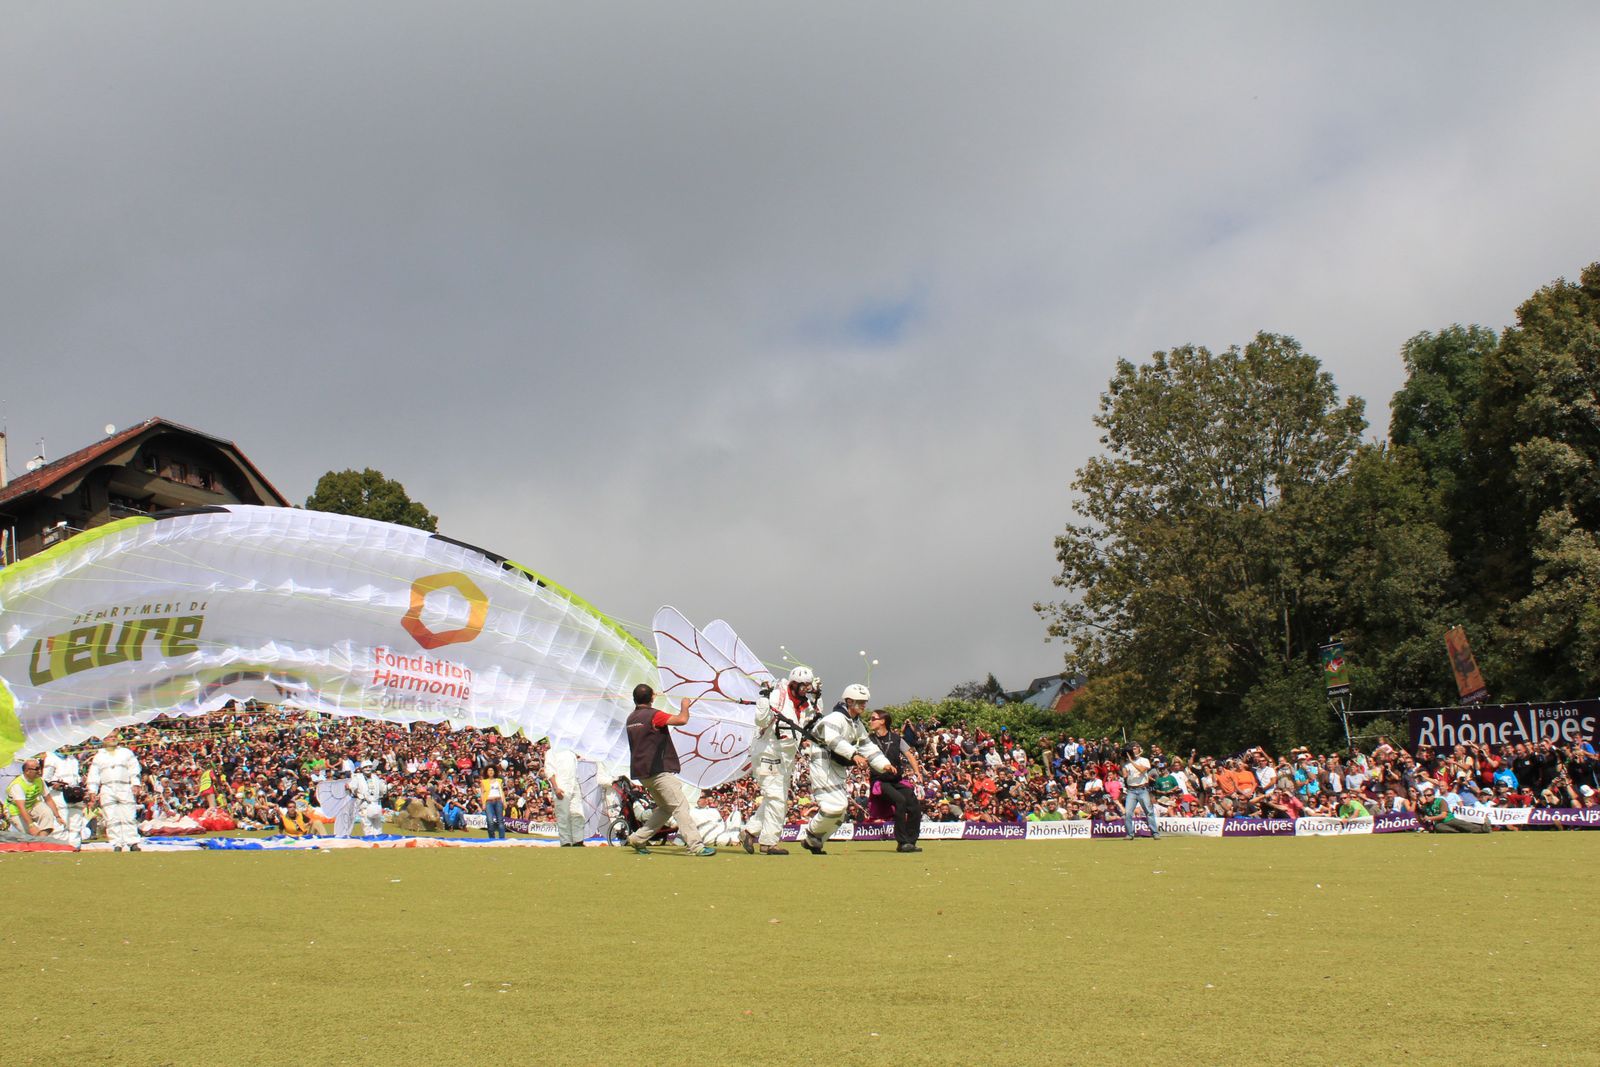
[[794, 315]]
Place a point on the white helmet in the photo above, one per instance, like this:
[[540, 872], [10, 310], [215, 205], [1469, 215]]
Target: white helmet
[[801, 676], [857, 692]]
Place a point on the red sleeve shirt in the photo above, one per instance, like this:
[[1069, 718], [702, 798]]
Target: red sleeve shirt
[[659, 720]]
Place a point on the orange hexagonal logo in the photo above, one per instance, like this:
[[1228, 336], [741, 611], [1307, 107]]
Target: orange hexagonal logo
[[477, 613]]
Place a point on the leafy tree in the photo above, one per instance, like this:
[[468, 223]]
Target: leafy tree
[[989, 690], [1391, 566], [1430, 412], [1234, 522], [1202, 567], [1535, 443], [370, 495]]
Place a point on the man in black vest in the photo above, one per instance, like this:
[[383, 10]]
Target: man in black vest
[[655, 766]]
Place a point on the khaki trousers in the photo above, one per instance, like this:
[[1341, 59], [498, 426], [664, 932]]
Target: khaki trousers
[[671, 803]]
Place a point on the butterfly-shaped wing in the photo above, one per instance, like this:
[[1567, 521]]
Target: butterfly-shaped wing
[[721, 635], [714, 745]]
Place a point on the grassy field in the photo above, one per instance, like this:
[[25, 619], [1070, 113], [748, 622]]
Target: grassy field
[[1407, 949]]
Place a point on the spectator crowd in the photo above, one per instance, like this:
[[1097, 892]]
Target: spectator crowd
[[261, 766]]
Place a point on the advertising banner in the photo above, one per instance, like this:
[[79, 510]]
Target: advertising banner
[[1566, 818], [1564, 722], [993, 831], [1335, 670], [1396, 822], [1258, 828], [1175, 827], [1113, 829], [1325, 826], [868, 831], [1073, 829], [1494, 816]]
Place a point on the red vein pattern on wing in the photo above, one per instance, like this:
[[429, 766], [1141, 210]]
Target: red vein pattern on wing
[[712, 748], [723, 638]]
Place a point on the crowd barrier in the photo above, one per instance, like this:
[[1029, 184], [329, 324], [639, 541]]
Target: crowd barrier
[[1107, 829], [1066, 830]]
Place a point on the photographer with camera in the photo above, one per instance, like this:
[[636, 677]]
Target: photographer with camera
[[1436, 815], [65, 777], [30, 809], [1136, 774]]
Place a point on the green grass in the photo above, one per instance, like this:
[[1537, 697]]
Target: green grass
[[1405, 949]]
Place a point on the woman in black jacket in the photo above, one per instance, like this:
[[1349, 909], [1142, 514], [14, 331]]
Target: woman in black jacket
[[894, 785]]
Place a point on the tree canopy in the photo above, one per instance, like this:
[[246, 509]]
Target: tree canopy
[[370, 495], [1235, 521], [989, 691]]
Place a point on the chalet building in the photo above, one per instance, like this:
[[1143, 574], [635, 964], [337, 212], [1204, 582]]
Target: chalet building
[[154, 466], [1053, 692]]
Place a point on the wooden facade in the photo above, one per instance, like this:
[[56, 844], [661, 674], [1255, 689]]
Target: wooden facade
[[155, 466]]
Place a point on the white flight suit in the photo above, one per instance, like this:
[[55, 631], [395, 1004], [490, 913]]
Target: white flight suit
[[735, 824], [66, 770], [846, 738], [112, 775], [368, 789], [772, 756], [709, 822], [562, 765]]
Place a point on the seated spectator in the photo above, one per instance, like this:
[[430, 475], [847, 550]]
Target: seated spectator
[[1437, 816], [1351, 807], [1282, 802], [296, 821]]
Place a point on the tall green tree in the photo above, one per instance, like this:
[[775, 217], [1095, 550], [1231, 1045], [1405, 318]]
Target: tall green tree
[[1534, 440], [1430, 412], [1199, 569], [370, 495], [1392, 567]]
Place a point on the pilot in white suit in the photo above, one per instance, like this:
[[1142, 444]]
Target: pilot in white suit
[[368, 789], [562, 764], [772, 756], [113, 776], [845, 742]]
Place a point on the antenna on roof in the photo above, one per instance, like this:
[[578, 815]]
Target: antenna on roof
[[110, 429]]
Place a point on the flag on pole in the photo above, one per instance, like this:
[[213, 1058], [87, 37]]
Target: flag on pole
[[1469, 681], [1335, 671]]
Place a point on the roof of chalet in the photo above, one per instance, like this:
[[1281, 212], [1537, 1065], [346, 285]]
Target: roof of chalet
[[37, 480]]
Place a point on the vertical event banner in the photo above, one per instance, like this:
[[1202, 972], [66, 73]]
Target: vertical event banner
[[1563, 722], [1335, 671], [1469, 680]]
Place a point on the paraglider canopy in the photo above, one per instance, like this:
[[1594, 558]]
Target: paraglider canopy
[[181, 612]]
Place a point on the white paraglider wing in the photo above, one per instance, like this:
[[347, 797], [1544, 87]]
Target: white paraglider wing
[[183, 611], [727, 642], [714, 745]]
